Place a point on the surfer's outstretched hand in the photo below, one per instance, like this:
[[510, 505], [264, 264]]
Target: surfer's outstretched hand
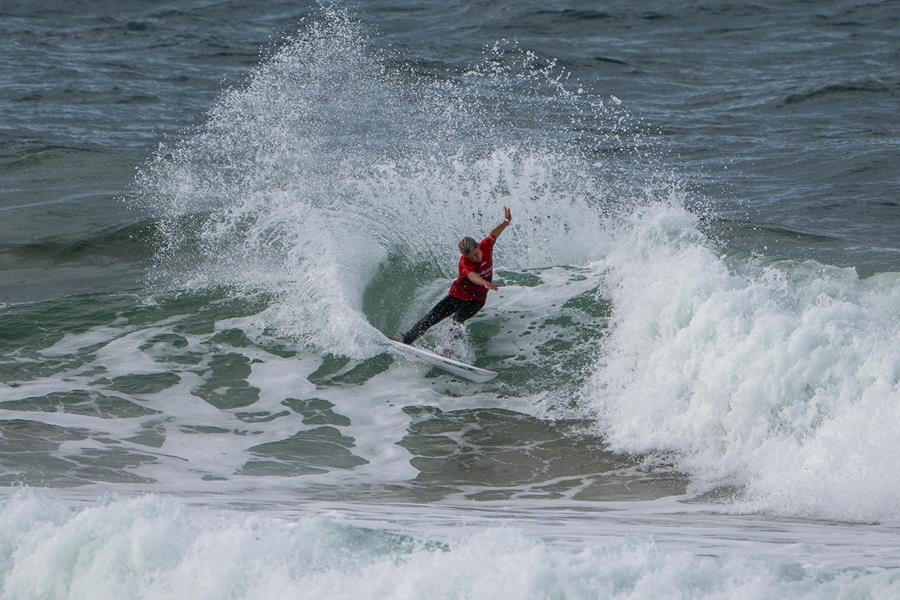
[[507, 217]]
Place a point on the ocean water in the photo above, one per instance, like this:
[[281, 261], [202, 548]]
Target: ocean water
[[212, 212]]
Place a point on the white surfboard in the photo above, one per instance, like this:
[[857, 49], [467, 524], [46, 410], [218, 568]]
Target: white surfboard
[[454, 367]]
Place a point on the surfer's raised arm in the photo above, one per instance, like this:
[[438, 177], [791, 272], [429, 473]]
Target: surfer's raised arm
[[496, 231]]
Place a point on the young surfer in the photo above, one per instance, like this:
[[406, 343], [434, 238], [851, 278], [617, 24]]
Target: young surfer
[[469, 292]]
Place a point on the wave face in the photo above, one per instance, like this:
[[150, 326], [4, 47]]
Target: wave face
[[782, 380], [337, 184], [329, 164]]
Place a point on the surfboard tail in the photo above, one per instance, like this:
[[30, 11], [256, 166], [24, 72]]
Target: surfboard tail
[[448, 365]]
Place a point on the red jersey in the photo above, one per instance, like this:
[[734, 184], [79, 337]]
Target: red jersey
[[463, 288]]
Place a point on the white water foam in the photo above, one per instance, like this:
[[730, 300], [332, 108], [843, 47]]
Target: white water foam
[[154, 548], [781, 380]]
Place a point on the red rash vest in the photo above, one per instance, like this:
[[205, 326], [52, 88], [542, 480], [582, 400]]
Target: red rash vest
[[463, 288]]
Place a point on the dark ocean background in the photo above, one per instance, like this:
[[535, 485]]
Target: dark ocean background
[[209, 211]]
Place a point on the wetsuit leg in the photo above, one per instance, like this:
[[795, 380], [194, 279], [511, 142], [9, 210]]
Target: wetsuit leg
[[441, 311], [467, 310]]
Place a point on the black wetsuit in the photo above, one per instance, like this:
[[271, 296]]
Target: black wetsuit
[[460, 309]]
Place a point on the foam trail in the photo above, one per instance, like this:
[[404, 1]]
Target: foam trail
[[782, 380]]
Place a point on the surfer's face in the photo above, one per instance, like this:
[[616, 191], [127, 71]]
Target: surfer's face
[[475, 255]]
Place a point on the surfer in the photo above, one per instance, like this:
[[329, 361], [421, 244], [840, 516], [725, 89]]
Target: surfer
[[469, 291]]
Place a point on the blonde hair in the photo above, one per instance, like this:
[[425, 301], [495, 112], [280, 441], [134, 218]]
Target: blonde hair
[[467, 244]]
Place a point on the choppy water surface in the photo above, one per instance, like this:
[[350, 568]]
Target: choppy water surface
[[211, 213]]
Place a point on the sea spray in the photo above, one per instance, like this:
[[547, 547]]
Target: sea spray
[[328, 164]]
